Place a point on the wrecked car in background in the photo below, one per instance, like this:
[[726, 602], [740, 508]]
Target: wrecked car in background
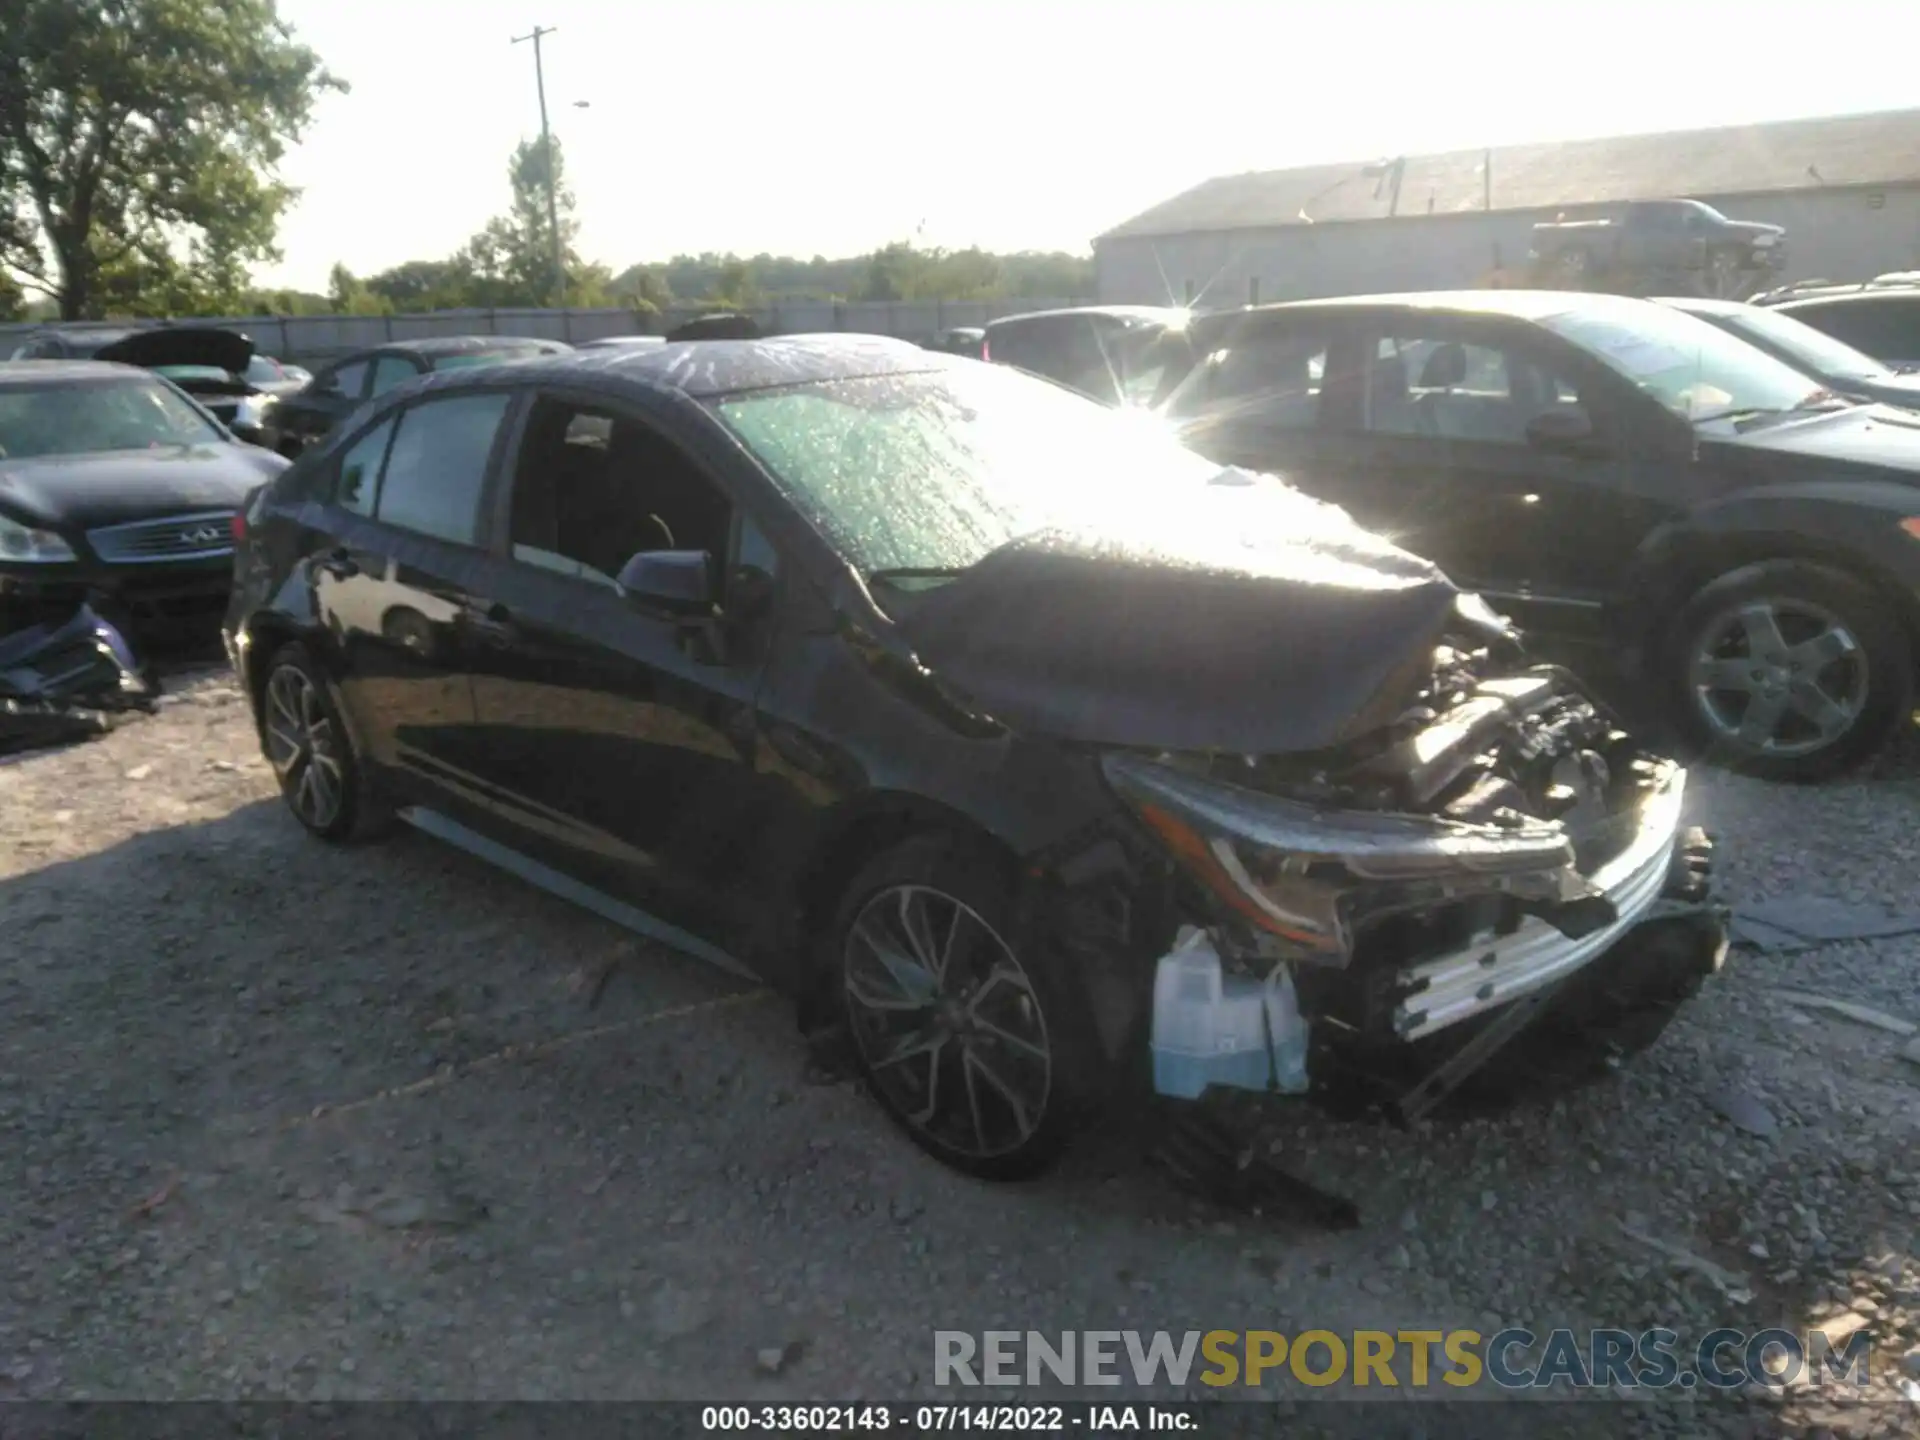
[[218, 367], [1046, 763], [116, 491], [62, 681], [211, 365]]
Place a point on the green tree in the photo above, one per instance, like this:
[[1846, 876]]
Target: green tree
[[13, 302], [347, 294], [139, 141], [510, 261]]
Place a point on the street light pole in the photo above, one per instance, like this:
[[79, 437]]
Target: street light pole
[[553, 178]]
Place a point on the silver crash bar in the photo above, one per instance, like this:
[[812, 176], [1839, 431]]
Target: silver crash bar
[[1501, 968]]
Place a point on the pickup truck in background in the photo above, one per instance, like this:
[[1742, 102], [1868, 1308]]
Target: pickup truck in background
[[1650, 245]]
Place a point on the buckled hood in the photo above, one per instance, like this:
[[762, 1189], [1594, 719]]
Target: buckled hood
[[1243, 618]]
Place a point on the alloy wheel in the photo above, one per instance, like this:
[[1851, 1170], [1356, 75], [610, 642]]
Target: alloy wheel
[[303, 746], [1779, 677], [947, 1021]]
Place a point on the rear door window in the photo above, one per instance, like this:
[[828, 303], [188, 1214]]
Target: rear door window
[[1434, 386], [1269, 376], [437, 467]]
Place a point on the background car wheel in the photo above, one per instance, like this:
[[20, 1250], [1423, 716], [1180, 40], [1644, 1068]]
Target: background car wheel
[[970, 1046], [1789, 670], [304, 740]]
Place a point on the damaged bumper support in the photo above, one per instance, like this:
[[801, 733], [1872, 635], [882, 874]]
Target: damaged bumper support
[[1483, 976], [1306, 880]]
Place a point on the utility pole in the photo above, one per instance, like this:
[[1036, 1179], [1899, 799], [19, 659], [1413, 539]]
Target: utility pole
[[553, 167]]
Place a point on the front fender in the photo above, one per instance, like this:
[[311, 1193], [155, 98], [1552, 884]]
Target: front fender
[[1852, 525]]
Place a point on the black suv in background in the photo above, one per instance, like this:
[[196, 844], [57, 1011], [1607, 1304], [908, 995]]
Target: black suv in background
[[1611, 470], [338, 389]]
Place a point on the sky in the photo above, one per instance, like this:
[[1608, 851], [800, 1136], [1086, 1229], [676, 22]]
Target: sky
[[835, 126]]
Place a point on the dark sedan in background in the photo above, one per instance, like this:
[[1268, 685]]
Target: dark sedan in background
[[953, 704], [1834, 363], [115, 490], [1612, 470], [338, 389]]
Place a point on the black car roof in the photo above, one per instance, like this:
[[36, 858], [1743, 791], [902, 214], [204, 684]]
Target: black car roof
[[1106, 312], [38, 372], [459, 344], [707, 368]]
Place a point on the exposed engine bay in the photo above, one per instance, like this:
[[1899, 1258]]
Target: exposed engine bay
[[1503, 835]]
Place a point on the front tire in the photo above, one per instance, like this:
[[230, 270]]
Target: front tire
[[969, 1045], [1789, 671], [322, 777]]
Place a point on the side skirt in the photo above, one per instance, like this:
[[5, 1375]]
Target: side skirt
[[628, 917]]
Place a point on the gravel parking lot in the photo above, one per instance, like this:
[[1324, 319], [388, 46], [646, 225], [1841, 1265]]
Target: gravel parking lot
[[281, 1120]]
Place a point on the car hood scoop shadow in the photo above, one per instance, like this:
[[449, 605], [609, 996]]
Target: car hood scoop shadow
[[1243, 618]]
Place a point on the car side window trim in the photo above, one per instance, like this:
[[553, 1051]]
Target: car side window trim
[[329, 489], [621, 411], [483, 536]]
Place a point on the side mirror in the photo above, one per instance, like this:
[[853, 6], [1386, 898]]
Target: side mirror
[[677, 581], [1566, 428]]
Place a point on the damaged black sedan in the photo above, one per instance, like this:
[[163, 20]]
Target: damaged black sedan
[[1044, 762]]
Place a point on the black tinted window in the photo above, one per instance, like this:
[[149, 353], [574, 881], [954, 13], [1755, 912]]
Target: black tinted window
[[1888, 330], [1272, 377], [438, 464], [350, 379]]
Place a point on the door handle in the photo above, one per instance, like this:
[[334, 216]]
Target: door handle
[[339, 564]]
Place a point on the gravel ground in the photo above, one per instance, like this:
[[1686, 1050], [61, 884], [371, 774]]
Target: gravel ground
[[282, 1120]]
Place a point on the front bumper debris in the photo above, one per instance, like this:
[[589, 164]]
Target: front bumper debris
[[1483, 976], [57, 681]]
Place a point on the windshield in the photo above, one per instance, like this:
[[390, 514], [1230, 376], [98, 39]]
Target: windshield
[[264, 371], [89, 418], [1697, 370], [931, 471], [1815, 349]]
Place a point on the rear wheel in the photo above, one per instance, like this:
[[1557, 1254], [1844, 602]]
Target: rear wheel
[[322, 778], [969, 1044], [1789, 671]]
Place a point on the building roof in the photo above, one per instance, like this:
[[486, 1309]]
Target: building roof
[[1875, 149]]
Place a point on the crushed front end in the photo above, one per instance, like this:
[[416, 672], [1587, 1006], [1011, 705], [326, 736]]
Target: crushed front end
[[1501, 873]]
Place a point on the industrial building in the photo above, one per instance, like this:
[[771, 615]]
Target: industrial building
[[1847, 189]]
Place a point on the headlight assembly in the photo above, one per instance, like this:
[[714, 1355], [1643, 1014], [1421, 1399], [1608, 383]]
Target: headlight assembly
[[22, 544], [1307, 876]]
